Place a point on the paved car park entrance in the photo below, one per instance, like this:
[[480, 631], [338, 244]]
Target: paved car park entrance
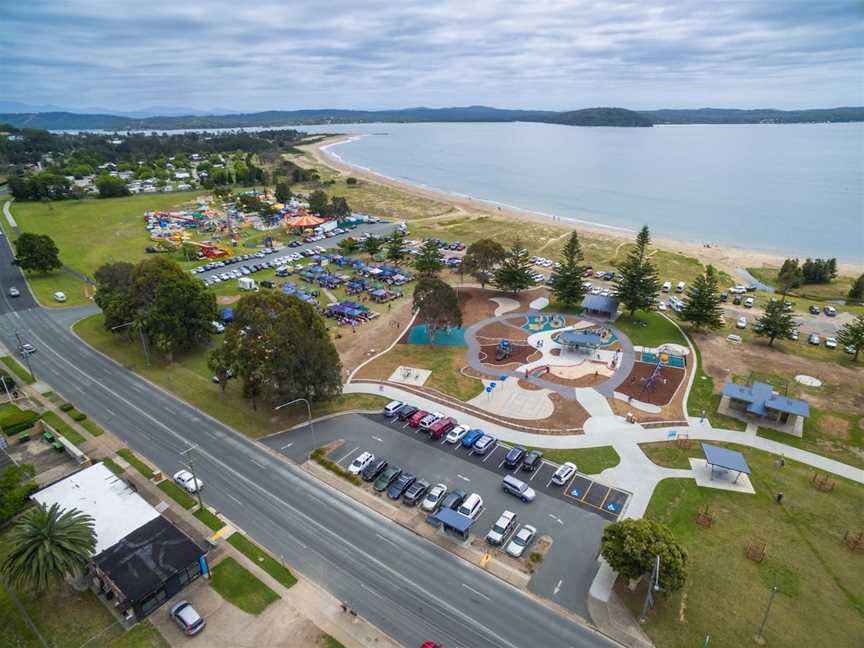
[[570, 564]]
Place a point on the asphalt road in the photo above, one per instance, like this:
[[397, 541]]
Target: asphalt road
[[410, 588]]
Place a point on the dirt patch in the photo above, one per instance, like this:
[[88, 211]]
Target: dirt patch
[[665, 385], [555, 352], [519, 354], [476, 305], [529, 386], [377, 335], [499, 330], [222, 300], [834, 427]]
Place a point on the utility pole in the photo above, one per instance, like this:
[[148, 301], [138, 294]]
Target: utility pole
[[653, 586], [308, 414], [26, 355], [187, 459], [141, 337], [760, 637]]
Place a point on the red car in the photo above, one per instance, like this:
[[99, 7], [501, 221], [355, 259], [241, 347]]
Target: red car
[[415, 419], [431, 644], [441, 427]]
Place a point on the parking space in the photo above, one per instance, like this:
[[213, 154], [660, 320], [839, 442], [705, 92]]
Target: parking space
[[570, 564]]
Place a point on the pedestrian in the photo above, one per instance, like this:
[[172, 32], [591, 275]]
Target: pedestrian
[[779, 497], [702, 416]]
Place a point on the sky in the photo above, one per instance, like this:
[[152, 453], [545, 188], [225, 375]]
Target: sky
[[370, 54]]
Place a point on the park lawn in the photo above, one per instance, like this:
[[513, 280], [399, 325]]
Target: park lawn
[[703, 398], [240, 587], [210, 520], [589, 461], [17, 369], [650, 329], [445, 363], [189, 379], [326, 641], [818, 294], [263, 559], [820, 599], [835, 435], [176, 493]]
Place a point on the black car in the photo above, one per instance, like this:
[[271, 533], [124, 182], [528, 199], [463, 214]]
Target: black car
[[267, 284], [406, 412], [532, 461], [513, 458], [737, 300], [398, 487], [724, 296], [814, 309], [453, 499], [415, 492], [374, 469]]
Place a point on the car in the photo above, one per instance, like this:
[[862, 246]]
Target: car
[[814, 309], [518, 488], [502, 528], [814, 339], [455, 435], [217, 327], [532, 461], [429, 420], [14, 292], [399, 485], [187, 617], [850, 349], [59, 296], [390, 474], [434, 497], [375, 468], [26, 349], [734, 339], [661, 306], [830, 311], [415, 492], [737, 300], [453, 500], [405, 412], [794, 335], [360, 462], [741, 323], [831, 342], [471, 506], [521, 541], [440, 427], [484, 444], [724, 296], [748, 303], [267, 284], [391, 408], [471, 437], [514, 456], [188, 481], [416, 417], [564, 473]]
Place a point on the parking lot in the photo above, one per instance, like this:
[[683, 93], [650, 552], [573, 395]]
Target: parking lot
[[574, 525]]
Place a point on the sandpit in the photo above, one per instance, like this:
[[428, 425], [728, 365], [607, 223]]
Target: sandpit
[[809, 381]]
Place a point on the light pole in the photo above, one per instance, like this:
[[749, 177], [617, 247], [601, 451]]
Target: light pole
[[187, 459], [653, 586], [760, 638], [308, 414], [141, 335]]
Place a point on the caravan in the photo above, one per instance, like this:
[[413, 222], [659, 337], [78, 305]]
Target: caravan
[[247, 283]]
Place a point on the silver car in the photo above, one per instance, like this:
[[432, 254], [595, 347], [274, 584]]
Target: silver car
[[521, 541], [433, 498], [187, 617]]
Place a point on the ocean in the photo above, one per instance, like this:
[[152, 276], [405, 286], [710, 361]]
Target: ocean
[[795, 190]]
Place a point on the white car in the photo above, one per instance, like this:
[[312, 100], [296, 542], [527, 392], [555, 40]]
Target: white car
[[59, 296], [433, 498], [26, 349], [217, 327], [187, 481], [831, 342], [850, 349], [362, 460], [455, 435], [661, 306], [520, 542], [471, 506], [14, 292], [502, 528], [564, 473], [741, 323], [748, 303]]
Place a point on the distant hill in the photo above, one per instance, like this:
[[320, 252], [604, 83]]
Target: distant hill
[[619, 117]]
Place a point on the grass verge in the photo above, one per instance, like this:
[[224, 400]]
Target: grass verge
[[263, 559], [176, 493], [63, 429], [136, 463], [590, 461], [112, 466], [210, 520], [319, 455], [93, 428], [18, 370], [240, 587], [326, 641]]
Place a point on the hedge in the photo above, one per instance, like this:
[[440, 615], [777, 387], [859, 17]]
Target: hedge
[[13, 419], [319, 456], [136, 463], [66, 407], [76, 415]]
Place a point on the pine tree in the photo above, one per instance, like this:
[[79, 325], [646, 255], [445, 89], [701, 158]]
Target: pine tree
[[394, 245], [857, 290], [430, 260], [637, 280], [702, 308], [852, 334], [775, 322], [514, 273], [372, 245], [566, 282]]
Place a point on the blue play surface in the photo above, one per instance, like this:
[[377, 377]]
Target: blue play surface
[[672, 361], [443, 337]]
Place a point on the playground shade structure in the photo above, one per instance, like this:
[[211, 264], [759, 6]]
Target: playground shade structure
[[443, 337], [664, 358], [717, 457]]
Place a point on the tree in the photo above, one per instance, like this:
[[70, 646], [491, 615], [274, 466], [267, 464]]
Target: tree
[[280, 349], [16, 485], [775, 321], [219, 362], [429, 261], [171, 308], [857, 290], [702, 308], [566, 282], [819, 270], [790, 275], [111, 186], [351, 181], [437, 306], [852, 334], [637, 279], [46, 545], [112, 292], [514, 272], [631, 548], [37, 252], [339, 208], [348, 245], [318, 202], [480, 260], [283, 191], [395, 241], [372, 245]]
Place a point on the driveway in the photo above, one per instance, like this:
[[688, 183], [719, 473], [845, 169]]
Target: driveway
[[570, 565]]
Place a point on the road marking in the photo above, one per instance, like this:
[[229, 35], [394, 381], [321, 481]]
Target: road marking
[[234, 498], [257, 463], [287, 445], [370, 590], [378, 439], [534, 473], [468, 587], [462, 477], [486, 458], [344, 457], [385, 539], [549, 482], [444, 440], [502, 461], [557, 519], [557, 588], [109, 411]]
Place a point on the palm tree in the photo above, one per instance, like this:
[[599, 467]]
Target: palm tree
[[47, 545]]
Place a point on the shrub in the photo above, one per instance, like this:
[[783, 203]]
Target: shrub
[[535, 557], [319, 456], [67, 407], [631, 547], [76, 415], [13, 419], [136, 463]]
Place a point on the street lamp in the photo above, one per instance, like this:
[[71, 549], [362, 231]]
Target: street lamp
[[308, 414], [187, 459], [141, 335], [653, 587]]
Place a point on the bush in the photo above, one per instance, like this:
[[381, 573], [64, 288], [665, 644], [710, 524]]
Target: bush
[[13, 419], [136, 463], [67, 407], [631, 547], [76, 415], [320, 457]]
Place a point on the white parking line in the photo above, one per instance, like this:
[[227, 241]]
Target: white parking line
[[345, 456], [486, 458], [378, 439], [534, 474], [502, 461], [475, 591], [286, 446], [463, 477]]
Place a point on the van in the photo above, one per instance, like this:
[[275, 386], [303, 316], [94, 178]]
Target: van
[[680, 287], [667, 286], [391, 408], [441, 427], [246, 283], [471, 506], [518, 488]]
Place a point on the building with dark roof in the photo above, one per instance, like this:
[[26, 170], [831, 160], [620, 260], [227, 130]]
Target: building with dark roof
[[601, 306], [579, 340], [760, 402]]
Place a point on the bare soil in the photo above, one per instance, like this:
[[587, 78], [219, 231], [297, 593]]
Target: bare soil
[[499, 331], [519, 355], [376, 335], [664, 388], [834, 426]]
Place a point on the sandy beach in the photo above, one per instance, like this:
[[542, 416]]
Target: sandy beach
[[722, 257]]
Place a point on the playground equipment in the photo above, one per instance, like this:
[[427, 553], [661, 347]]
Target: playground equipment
[[504, 350], [756, 551], [651, 382], [210, 251], [822, 483], [705, 518]]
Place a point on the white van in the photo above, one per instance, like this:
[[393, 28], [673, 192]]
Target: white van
[[680, 287], [471, 506], [247, 283], [667, 286], [391, 408], [59, 296]]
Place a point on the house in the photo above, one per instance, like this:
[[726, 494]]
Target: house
[[181, 175], [141, 559], [760, 403]]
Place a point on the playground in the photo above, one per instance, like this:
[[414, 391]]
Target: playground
[[652, 383]]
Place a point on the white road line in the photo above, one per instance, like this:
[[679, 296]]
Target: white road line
[[344, 457], [371, 591], [502, 461], [463, 477], [378, 439], [468, 587], [257, 463], [486, 458], [534, 474], [234, 498], [549, 482], [385, 539], [444, 440], [286, 446], [557, 587], [109, 411]]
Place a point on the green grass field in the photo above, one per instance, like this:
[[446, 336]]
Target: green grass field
[[63, 428], [240, 587], [263, 559], [18, 370], [821, 594], [176, 493], [136, 463], [656, 330], [590, 461], [808, 294], [212, 522]]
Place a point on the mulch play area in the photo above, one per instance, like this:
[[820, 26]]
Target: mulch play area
[[519, 354], [664, 388]]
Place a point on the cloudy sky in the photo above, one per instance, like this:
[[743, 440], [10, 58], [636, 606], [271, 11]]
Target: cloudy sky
[[554, 54]]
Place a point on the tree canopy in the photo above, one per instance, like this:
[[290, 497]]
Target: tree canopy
[[394, 246], [775, 321], [852, 334], [637, 279], [437, 306], [372, 245], [37, 252], [631, 548], [481, 258], [514, 273], [429, 260], [111, 186], [856, 292], [793, 274], [566, 283], [112, 292], [702, 308]]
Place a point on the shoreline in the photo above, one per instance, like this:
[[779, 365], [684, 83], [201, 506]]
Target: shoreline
[[725, 258]]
